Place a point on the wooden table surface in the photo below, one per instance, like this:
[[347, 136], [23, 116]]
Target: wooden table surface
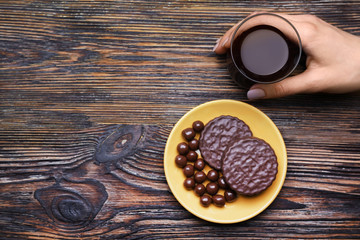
[[76, 75]]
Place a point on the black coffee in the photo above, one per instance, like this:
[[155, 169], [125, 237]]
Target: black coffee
[[263, 53]]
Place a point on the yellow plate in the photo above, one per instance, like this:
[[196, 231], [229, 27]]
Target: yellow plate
[[243, 208]]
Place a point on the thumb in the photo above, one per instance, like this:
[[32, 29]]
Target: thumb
[[301, 83]]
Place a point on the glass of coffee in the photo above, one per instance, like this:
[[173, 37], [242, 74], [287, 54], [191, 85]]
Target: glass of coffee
[[265, 48]]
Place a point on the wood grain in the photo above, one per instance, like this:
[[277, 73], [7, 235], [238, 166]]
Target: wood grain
[[90, 90]]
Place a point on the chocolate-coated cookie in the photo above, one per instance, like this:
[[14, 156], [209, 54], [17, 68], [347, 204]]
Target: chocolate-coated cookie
[[216, 136], [249, 165]]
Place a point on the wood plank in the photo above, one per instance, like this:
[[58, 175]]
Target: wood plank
[[74, 74]]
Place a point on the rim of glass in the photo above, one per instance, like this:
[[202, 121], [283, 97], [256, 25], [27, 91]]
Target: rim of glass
[[274, 15]]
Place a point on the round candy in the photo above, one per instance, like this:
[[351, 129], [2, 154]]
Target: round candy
[[192, 156], [218, 200], [198, 126], [188, 170], [205, 200], [200, 177], [199, 164], [180, 161], [188, 133], [212, 188], [183, 148], [189, 183], [222, 183], [194, 144], [200, 189], [230, 195], [213, 175]]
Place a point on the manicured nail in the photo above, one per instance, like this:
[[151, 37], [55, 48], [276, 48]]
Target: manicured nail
[[216, 45], [225, 41], [256, 93]]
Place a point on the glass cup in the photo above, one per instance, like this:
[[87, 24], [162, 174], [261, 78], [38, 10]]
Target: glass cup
[[265, 48]]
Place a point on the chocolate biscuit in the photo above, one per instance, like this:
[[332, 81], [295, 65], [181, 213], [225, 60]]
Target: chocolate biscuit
[[249, 165], [216, 136]]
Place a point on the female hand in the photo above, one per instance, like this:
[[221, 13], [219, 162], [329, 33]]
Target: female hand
[[333, 60]]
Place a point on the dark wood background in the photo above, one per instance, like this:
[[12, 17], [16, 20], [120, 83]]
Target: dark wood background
[[77, 76]]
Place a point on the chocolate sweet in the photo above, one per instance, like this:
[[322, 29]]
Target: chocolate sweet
[[199, 164], [218, 200], [239, 162], [222, 183], [249, 165], [213, 175], [200, 177], [198, 126], [212, 188], [200, 189], [193, 144], [189, 183], [217, 135], [183, 148], [188, 170], [180, 161], [205, 200], [188, 133], [192, 156], [230, 195]]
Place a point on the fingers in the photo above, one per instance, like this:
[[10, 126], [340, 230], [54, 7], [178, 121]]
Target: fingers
[[223, 43], [308, 26], [302, 83], [304, 24], [307, 82]]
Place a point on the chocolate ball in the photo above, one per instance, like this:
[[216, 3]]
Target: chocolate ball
[[188, 170], [188, 133], [189, 183], [222, 183], [200, 189], [205, 200], [213, 175], [199, 164], [183, 148], [198, 126], [218, 200], [230, 195], [212, 188], [200, 177], [192, 156], [194, 144], [180, 161]]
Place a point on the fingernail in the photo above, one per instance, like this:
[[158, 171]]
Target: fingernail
[[256, 93], [225, 41], [216, 45], [254, 13]]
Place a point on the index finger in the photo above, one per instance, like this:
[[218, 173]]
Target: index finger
[[224, 43], [297, 21]]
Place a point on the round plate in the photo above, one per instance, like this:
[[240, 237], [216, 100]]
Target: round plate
[[243, 208]]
